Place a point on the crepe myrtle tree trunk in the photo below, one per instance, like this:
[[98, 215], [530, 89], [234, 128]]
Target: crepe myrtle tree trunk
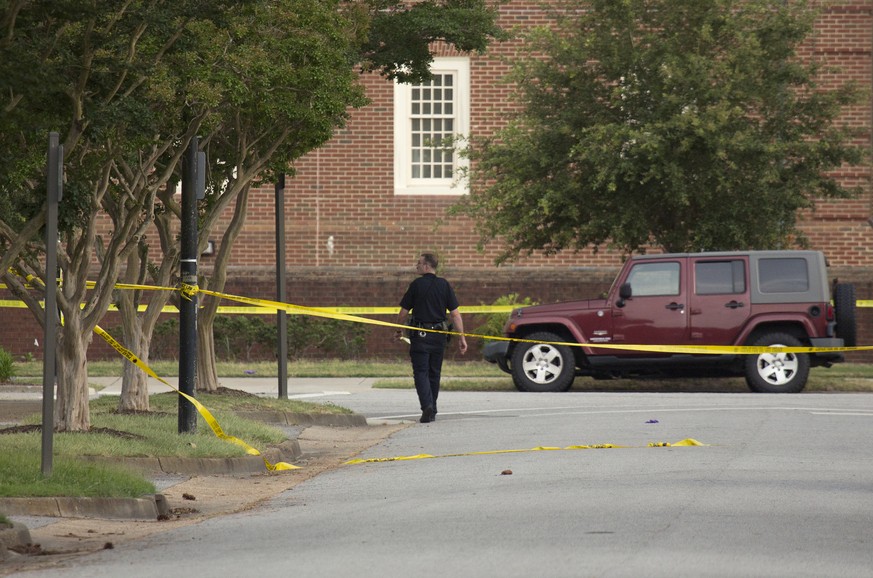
[[71, 407], [134, 381], [139, 327], [207, 376]]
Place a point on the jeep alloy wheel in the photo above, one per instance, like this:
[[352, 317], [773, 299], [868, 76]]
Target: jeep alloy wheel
[[777, 372], [543, 366]]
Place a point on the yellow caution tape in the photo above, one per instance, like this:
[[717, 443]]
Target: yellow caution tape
[[264, 306], [695, 349], [685, 442], [207, 415], [188, 291]]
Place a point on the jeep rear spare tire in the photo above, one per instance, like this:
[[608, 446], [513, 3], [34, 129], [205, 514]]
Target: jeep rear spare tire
[[844, 311], [543, 366], [778, 372]]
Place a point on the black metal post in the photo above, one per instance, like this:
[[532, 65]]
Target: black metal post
[[188, 304], [55, 191], [281, 316]]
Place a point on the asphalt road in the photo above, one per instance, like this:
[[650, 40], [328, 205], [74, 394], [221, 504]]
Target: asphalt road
[[783, 487]]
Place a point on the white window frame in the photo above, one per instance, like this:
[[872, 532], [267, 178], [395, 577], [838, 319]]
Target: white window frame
[[404, 183]]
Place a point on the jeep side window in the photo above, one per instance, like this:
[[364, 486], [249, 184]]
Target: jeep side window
[[783, 275], [653, 279], [719, 277]]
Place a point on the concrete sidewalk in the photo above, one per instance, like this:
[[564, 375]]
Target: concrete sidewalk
[[298, 387]]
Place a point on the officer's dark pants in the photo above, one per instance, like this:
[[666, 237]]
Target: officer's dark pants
[[426, 354]]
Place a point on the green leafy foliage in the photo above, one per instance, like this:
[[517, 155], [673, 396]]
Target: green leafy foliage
[[165, 340], [688, 125], [493, 324], [237, 335], [128, 85], [321, 337], [7, 366], [401, 33], [249, 337]]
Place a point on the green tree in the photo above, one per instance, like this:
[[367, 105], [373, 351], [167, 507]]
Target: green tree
[[95, 71], [400, 35], [394, 38], [282, 80], [683, 124], [128, 85]]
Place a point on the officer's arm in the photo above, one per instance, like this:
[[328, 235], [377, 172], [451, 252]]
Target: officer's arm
[[401, 319], [455, 314]]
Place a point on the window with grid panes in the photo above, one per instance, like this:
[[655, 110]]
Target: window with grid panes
[[432, 125], [428, 118]]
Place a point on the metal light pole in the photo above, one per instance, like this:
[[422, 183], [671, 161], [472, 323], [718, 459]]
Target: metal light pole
[[281, 316], [55, 191], [188, 304]]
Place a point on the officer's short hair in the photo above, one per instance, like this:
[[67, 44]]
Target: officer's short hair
[[430, 259]]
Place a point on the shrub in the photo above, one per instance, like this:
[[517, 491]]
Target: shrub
[[494, 322], [7, 366], [248, 337], [165, 340], [322, 337], [241, 333]]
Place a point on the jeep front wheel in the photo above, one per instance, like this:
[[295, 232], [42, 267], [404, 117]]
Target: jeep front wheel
[[777, 372], [543, 366]]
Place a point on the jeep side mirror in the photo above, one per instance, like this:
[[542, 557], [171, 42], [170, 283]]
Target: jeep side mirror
[[624, 293]]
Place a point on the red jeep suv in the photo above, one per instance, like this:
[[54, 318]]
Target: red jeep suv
[[747, 298]]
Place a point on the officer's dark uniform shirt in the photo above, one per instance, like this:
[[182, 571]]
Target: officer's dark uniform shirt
[[428, 297]]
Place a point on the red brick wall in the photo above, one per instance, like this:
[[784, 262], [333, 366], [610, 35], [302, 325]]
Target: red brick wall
[[345, 189]]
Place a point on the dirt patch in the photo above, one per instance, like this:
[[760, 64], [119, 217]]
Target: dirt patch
[[16, 429], [228, 392], [14, 410], [197, 499]]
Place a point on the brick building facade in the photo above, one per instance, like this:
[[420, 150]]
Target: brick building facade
[[354, 225]]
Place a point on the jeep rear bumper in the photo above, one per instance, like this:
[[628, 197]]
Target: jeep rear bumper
[[826, 357]]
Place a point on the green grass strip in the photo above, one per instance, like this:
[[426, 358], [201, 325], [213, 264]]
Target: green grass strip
[[21, 475]]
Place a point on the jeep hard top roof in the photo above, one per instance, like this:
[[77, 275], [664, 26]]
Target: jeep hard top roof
[[777, 276], [765, 254]]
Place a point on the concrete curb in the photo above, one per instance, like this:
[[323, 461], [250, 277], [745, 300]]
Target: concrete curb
[[287, 451], [145, 508], [290, 418]]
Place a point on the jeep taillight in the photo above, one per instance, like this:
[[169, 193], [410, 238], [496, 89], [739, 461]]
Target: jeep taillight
[[829, 313]]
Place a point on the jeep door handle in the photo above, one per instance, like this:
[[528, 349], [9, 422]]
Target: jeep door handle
[[734, 304], [674, 306]]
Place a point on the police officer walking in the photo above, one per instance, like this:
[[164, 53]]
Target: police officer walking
[[428, 298]]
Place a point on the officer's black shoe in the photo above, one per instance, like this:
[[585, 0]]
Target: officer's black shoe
[[427, 415]]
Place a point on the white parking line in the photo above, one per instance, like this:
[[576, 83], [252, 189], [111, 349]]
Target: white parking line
[[843, 413], [310, 395], [557, 411]]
